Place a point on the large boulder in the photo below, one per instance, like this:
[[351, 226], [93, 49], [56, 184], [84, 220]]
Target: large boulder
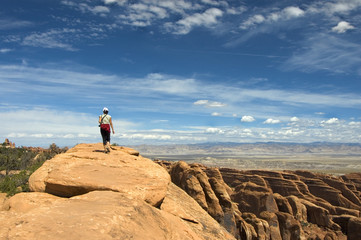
[[86, 168], [87, 194], [95, 215]]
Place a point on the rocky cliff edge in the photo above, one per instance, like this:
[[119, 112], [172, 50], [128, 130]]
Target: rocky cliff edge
[[86, 194], [274, 205]]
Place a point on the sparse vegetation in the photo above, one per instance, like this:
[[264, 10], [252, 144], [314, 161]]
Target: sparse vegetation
[[17, 164]]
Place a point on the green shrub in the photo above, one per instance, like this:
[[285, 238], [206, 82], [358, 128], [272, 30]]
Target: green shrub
[[16, 183], [26, 162]]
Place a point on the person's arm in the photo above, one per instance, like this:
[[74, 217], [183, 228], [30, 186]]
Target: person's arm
[[111, 124], [100, 119]]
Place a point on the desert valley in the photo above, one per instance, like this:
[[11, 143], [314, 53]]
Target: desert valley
[[330, 158]]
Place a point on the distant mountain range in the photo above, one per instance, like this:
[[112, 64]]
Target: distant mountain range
[[239, 149]]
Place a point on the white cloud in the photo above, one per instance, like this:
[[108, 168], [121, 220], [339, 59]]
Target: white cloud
[[331, 121], [214, 130], [166, 84], [185, 25], [293, 12], [342, 27], [353, 123], [100, 9], [271, 121], [283, 15], [6, 24], [143, 14], [236, 10], [84, 7], [119, 2], [252, 21], [46, 135], [201, 102], [294, 119], [214, 2], [147, 12], [216, 114], [148, 136], [216, 104], [209, 103], [5, 50], [247, 119], [51, 39], [334, 7]]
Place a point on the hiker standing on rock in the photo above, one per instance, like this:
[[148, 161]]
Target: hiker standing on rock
[[105, 122]]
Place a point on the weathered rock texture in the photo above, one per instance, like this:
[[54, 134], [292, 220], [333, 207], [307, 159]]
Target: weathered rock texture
[[274, 204], [86, 194]]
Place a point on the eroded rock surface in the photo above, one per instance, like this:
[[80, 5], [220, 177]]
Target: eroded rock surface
[[257, 204], [87, 194], [86, 168]]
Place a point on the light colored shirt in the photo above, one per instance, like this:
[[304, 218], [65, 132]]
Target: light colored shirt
[[106, 119]]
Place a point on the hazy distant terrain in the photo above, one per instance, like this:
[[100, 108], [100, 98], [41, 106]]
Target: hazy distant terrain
[[322, 157]]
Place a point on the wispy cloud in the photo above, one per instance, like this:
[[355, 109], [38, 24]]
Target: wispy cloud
[[275, 16], [5, 50], [210, 104], [9, 23], [176, 17], [54, 83], [334, 7], [207, 19], [51, 39], [326, 52], [84, 7]]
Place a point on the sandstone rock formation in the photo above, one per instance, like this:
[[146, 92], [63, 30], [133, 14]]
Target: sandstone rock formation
[[86, 194], [8, 144], [258, 204]]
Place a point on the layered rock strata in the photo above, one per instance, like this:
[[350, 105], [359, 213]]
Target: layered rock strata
[[273, 205]]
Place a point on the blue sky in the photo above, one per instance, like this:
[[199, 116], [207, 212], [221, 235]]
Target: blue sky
[[180, 71]]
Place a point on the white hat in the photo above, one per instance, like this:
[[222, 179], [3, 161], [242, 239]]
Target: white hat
[[105, 109]]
